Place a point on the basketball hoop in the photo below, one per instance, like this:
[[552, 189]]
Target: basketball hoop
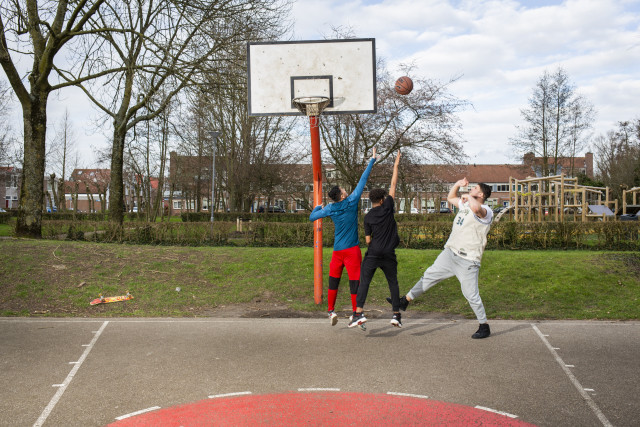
[[311, 105]]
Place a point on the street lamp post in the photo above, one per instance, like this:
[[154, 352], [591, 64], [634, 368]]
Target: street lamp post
[[214, 137]]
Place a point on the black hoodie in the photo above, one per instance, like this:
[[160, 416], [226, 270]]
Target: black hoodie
[[380, 224]]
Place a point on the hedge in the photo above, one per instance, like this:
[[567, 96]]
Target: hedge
[[413, 235]]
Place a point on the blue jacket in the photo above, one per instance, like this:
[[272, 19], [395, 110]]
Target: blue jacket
[[345, 215]]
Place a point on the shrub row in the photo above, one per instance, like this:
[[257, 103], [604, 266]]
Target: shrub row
[[414, 235], [302, 217], [297, 217]]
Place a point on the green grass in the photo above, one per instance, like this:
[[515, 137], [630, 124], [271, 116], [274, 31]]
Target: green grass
[[6, 230], [44, 277]]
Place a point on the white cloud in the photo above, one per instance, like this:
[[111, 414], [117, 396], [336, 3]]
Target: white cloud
[[500, 48]]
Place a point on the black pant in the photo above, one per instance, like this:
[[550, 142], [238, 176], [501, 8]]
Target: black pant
[[389, 266]]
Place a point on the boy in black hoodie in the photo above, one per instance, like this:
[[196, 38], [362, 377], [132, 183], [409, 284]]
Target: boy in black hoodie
[[381, 234]]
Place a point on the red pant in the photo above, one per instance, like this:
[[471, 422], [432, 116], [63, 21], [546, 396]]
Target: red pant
[[350, 258]]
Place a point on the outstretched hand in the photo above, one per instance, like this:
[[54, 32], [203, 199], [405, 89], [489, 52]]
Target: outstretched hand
[[375, 155], [462, 182], [398, 158]]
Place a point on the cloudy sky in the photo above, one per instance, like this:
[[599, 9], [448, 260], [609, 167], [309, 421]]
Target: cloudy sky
[[499, 48]]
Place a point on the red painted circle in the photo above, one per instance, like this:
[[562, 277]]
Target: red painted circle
[[304, 409]]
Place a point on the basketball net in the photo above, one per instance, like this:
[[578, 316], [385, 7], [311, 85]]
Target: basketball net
[[311, 105]]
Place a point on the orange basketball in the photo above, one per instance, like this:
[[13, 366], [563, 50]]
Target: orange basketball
[[404, 85]]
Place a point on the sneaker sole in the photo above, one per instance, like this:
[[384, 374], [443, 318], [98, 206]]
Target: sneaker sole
[[360, 323], [334, 320], [396, 324]]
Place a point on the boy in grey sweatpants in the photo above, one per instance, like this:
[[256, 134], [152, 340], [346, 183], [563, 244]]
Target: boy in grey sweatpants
[[463, 251]]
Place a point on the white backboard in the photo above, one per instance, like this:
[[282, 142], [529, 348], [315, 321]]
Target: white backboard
[[343, 70]]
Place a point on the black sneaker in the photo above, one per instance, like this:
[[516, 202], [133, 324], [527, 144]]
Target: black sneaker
[[483, 331], [357, 319], [404, 303], [397, 320]]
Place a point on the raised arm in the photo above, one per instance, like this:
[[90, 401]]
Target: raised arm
[[365, 176], [394, 177], [452, 197]]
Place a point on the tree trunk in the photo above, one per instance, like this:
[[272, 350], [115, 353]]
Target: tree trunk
[[116, 194], [29, 221]]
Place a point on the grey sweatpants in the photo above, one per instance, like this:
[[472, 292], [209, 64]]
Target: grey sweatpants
[[448, 264]]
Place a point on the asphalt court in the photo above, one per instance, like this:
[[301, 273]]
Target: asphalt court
[[93, 372]]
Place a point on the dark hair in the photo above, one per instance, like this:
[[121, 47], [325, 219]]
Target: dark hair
[[377, 195], [335, 193], [486, 190]]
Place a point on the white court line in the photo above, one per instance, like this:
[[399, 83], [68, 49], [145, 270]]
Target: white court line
[[420, 396], [142, 411], [576, 383], [54, 400], [506, 414], [240, 393]]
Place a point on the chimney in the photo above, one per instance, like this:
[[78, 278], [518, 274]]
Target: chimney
[[588, 164], [528, 159]]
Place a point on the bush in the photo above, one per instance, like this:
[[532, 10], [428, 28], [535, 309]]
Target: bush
[[413, 235], [246, 216], [5, 217]]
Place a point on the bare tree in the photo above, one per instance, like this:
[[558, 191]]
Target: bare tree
[[582, 114], [250, 151], [555, 121], [158, 48], [618, 157], [423, 124], [39, 32], [59, 154]]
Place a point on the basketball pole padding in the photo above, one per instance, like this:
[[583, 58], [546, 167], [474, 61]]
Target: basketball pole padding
[[317, 200]]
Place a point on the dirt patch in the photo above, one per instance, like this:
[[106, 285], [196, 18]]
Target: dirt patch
[[631, 261]]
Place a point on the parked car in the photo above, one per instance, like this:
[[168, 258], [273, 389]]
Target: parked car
[[629, 217], [271, 209], [445, 211], [49, 210], [498, 209], [431, 210], [2, 210], [413, 211]]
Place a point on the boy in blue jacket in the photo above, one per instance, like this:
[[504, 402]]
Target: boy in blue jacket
[[346, 245]]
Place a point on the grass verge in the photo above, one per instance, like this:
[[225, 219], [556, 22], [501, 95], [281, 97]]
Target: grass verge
[[54, 278]]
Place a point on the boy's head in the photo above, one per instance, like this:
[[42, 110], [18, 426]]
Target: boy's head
[[337, 194], [481, 189], [377, 195]]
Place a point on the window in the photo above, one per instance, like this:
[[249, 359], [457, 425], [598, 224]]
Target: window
[[299, 206], [177, 204], [502, 187], [366, 204]]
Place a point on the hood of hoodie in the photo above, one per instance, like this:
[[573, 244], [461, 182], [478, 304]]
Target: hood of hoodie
[[376, 215]]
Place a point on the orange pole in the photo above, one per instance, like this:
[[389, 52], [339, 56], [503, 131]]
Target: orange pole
[[317, 200]]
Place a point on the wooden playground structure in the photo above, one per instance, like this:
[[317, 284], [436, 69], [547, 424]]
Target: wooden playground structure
[[558, 198], [634, 206]]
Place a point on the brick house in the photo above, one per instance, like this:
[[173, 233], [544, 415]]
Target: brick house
[[87, 190], [422, 189]]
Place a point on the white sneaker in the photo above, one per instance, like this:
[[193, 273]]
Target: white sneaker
[[333, 318], [358, 320]]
